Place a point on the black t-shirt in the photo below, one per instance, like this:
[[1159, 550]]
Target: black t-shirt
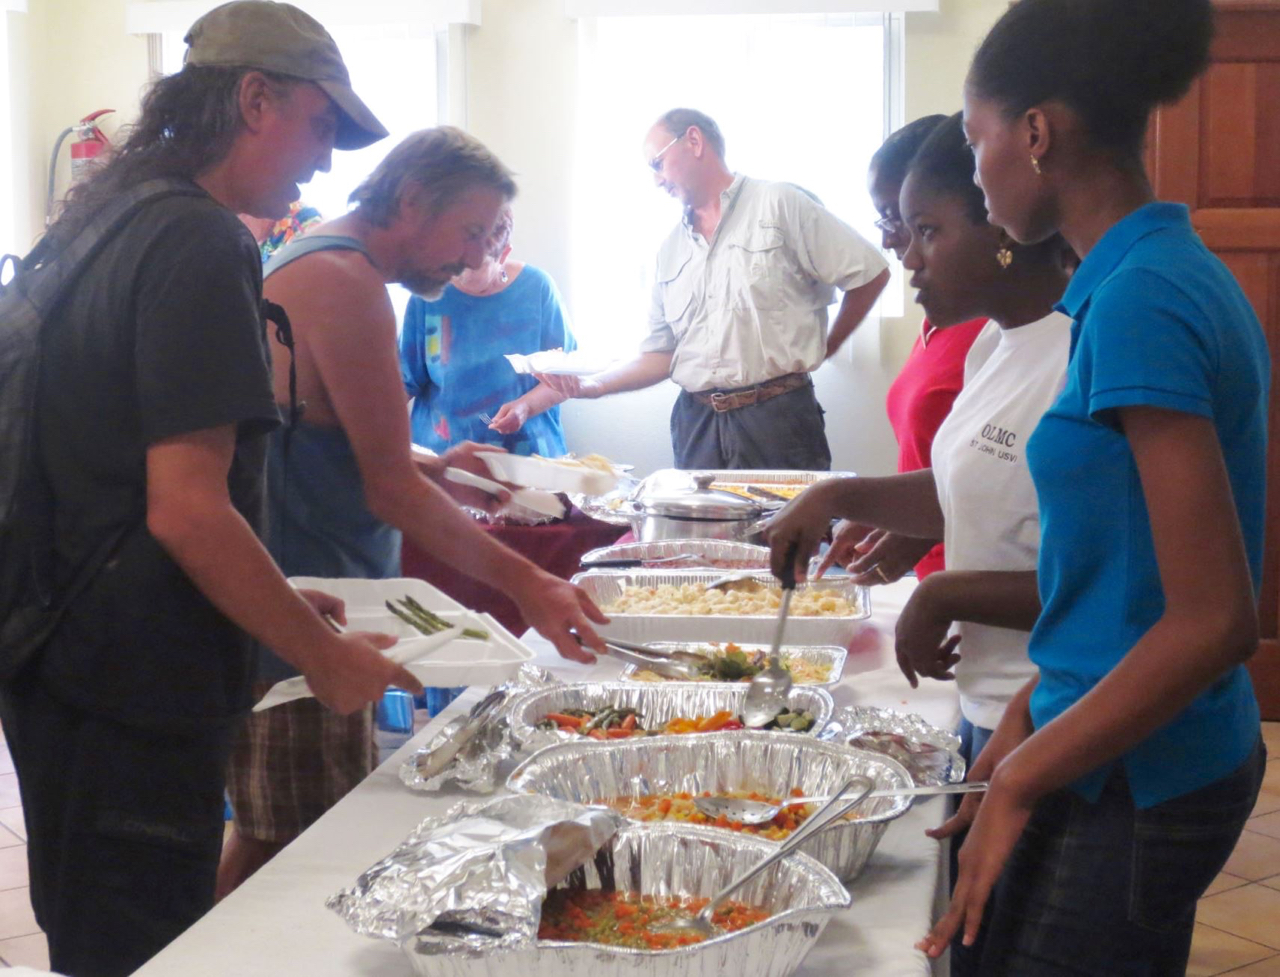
[[162, 335]]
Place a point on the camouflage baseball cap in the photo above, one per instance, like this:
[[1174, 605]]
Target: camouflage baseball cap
[[280, 38]]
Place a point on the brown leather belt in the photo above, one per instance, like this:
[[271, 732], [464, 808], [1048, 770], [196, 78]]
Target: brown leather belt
[[725, 400]]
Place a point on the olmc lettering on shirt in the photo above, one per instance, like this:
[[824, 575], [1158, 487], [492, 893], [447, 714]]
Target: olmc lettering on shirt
[[997, 441]]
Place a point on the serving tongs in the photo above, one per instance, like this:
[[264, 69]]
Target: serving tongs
[[430, 764], [683, 666]]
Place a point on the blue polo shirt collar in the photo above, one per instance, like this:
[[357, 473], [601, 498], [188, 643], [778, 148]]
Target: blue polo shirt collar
[[1110, 251]]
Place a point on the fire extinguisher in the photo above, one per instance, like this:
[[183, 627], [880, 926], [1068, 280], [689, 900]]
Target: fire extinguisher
[[90, 142]]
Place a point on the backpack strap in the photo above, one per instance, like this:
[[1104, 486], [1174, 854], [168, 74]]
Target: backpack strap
[[65, 266]]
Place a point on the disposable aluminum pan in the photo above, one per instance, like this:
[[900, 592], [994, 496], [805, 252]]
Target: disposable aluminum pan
[[655, 702], [720, 762], [720, 554], [685, 861], [931, 755], [760, 478], [604, 587], [830, 656]]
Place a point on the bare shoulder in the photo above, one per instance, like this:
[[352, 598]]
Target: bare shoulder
[[329, 286]]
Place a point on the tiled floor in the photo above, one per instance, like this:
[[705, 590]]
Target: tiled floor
[[1237, 926]]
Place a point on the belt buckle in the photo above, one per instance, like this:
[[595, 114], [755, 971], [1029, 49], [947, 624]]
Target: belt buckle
[[719, 402]]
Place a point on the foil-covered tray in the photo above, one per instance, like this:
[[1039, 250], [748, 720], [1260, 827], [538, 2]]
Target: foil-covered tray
[[605, 586], [931, 755], [719, 554], [475, 766], [616, 507], [719, 762], [830, 656], [657, 703], [680, 861]]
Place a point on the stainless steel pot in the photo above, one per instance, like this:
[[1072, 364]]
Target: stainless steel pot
[[696, 511]]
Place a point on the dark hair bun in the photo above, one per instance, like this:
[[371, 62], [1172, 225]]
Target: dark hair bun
[[1162, 46], [1113, 61]]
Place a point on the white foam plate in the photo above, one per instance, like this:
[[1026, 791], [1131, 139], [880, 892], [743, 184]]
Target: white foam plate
[[542, 473], [434, 662], [558, 362]]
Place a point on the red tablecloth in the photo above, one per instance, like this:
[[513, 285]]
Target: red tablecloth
[[556, 547]]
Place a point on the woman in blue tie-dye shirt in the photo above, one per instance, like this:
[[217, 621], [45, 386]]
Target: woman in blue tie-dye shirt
[[452, 349]]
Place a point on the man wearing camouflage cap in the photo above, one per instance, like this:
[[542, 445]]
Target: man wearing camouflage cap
[[151, 438]]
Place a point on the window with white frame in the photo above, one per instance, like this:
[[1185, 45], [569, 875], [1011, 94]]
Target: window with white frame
[[801, 98], [395, 71]]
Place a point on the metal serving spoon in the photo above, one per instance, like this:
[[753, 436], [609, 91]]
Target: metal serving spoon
[[749, 812], [769, 688], [854, 792]]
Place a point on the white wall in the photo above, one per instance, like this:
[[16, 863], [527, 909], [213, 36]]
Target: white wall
[[73, 56], [520, 75]]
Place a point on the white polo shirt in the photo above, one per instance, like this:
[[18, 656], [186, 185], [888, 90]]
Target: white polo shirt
[[1011, 377], [751, 304]]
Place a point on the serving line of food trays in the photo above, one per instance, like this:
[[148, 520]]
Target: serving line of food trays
[[606, 587]]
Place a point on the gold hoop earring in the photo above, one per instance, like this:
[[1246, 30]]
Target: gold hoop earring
[[1004, 258], [1035, 164]]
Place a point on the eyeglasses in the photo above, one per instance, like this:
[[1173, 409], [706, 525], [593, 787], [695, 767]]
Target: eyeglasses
[[890, 225], [655, 164]]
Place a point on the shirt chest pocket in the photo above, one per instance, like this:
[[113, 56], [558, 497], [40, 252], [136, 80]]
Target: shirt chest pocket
[[676, 281], [757, 275]]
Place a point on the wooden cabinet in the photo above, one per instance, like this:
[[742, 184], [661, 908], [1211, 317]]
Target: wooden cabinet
[[1218, 151]]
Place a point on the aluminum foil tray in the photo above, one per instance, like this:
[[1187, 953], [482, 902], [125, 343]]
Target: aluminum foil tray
[[829, 655], [656, 702], [727, 762], [931, 755], [758, 477], [715, 553], [681, 860], [605, 586]]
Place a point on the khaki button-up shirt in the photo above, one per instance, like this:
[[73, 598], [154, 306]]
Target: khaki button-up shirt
[[751, 304]]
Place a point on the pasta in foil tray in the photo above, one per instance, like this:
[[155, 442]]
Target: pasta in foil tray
[[743, 598]]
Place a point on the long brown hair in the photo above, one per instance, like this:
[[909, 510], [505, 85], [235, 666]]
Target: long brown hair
[[188, 123]]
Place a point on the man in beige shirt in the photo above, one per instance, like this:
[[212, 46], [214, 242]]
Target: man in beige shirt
[[739, 311]]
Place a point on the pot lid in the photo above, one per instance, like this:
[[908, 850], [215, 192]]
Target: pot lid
[[699, 501]]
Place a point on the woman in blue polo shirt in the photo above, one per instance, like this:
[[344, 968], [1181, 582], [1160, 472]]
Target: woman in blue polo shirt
[[1123, 775]]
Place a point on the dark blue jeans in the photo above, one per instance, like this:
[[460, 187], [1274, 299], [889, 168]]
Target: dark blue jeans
[[786, 432], [1110, 890]]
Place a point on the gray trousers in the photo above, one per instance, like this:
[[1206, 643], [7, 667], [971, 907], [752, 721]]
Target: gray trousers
[[786, 432]]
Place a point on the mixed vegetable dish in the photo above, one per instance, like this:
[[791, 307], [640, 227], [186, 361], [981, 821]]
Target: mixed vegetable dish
[[629, 920], [623, 722]]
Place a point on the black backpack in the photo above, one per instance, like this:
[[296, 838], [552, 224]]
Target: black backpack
[[31, 602]]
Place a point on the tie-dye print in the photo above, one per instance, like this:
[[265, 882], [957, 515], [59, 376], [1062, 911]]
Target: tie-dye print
[[451, 358]]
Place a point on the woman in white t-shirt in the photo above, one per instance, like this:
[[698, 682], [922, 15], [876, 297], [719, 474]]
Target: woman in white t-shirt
[[971, 621]]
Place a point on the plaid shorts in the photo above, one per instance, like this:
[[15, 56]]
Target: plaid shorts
[[292, 763]]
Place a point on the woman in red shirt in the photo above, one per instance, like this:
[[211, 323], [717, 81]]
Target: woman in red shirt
[[921, 396]]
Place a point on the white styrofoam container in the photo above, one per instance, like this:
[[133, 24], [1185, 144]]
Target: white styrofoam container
[[459, 662], [541, 473], [604, 586]]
